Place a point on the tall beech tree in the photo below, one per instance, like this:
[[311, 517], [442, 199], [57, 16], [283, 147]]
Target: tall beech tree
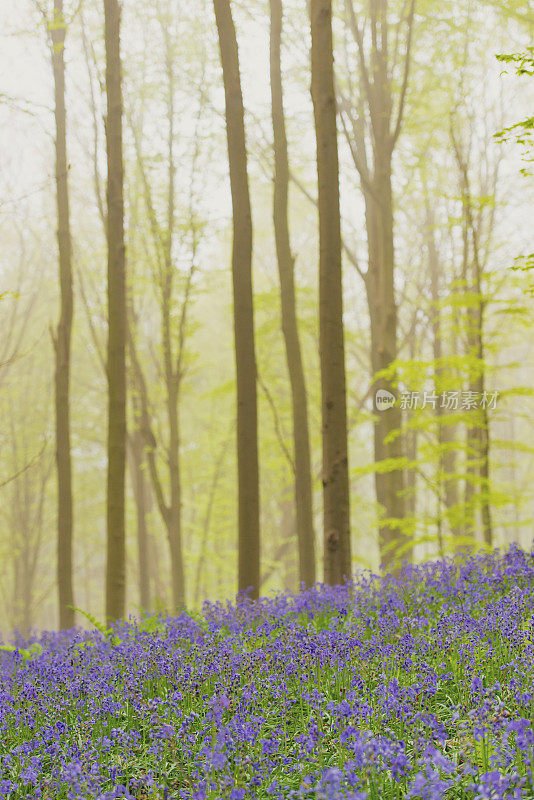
[[286, 269], [477, 230], [116, 349], [245, 356], [372, 122], [61, 337], [337, 550]]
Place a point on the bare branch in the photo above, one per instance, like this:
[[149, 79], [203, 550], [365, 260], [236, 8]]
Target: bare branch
[[25, 468], [407, 63], [277, 424], [361, 52], [92, 105], [349, 252], [209, 507]]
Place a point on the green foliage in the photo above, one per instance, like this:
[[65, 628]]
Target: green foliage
[[523, 131], [26, 653], [152, 624], [107, 631], [526, 264]]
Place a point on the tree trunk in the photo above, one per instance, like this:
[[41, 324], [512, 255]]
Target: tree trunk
[[375, 126], [411, 440], [394, 544], [480, 388], [116, 351], [174, 527], [301, 436], [435, 317], [290, 577], [447, 484], [173, 375], [25, 515], [337, 549], [172, 355], [217, 473], [62, 337], [478, 435], [247, 415], [140, 489], [27, 595]]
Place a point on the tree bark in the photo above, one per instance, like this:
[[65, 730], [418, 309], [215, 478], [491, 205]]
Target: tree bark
[[116, 350], [337, 548], [299, 400], [62, 336], [247, 414]]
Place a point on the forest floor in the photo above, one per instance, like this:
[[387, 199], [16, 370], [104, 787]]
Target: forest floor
[[419, 686]]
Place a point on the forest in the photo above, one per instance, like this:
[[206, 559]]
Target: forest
[[433, 306], [218, 477], [267, 389], [433, 221]]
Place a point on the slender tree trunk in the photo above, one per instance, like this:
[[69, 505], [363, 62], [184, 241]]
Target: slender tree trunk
[[411, 440], [480, 383], [217, 472], [468, 526], [62, 337], [173, 355], [478, 439], [478, 435], [447, 484], [301, 436], [287, 530], [25, 515], [140, 490], [448, 447], [247, 415], [17, 594], [116, 351], [27, 596], [174, 528], [375, 126], [25, 582], [173, 375], [337, 549], [393, 542], [433, 260], [410, 445]]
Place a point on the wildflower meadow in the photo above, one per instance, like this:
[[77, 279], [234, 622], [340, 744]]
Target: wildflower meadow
[[413, 686]]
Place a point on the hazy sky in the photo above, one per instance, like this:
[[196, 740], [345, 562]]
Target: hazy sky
[[26, 122]]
